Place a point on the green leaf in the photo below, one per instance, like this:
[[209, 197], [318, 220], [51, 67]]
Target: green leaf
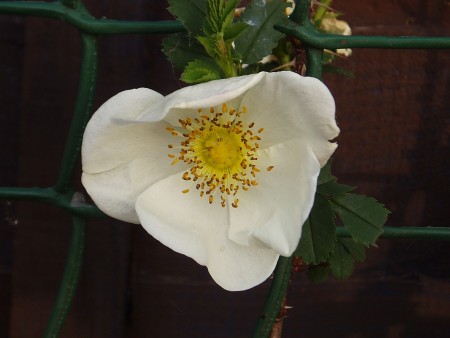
[[220, 14], [318, 233], [210, 44], [213, 20], [229, 11], [199, 71], [325, 174], [190, 13], [260, 38], [232, 32], [341, 261], [358, 251], [363, 216], [182, 49], [332, 188], [318, 273]]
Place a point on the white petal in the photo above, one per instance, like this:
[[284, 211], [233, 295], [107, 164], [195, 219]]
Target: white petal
[[290, 106], [187, 224], [115, 191], [236, 267], [109, 142], [204, 95], [274, 211]]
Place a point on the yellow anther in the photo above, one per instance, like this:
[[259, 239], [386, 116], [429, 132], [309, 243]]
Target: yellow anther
[[235, 203], [185, 191], [219, 154]]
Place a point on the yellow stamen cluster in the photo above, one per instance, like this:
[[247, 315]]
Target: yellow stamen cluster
[[220, 151]]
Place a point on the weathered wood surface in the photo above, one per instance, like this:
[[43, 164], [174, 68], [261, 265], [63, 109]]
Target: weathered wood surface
[[394, 117]]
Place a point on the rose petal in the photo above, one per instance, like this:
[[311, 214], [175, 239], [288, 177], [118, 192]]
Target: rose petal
[[115, 191], [274, 211], [312, 118], [205, 95], [187, 224], [109, 142]]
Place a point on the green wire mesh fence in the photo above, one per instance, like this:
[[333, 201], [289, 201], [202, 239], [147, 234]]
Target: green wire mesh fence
[[62, 193]]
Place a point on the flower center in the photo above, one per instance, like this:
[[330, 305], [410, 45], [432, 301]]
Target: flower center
[[220, 149], [221, 152]]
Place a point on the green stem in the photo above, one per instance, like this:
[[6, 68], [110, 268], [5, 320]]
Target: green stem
[[280, 282], [69, 281], [275, 298]]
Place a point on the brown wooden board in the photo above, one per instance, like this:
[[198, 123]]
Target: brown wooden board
[[394, 145]]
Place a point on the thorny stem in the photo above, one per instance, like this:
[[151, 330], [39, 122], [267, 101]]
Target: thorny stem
[[277, 327], [274, 299]]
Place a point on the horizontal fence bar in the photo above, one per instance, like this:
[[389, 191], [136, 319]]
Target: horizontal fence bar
[[307, 34], [311, 37], [66, 201], [87, 23], [433, 233], [49, 195]]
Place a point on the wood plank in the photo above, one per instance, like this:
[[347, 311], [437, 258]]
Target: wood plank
[[395, 130]]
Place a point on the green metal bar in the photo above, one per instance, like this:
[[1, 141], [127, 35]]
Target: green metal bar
[[69, 3], [300, 27], [309, 36], [300, 15], [314, 66], [51, 196], [82, 113], [432, 233], [275, 298], [85, 22], [69, 280]]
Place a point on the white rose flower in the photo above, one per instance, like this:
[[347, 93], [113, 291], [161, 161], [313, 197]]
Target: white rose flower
[[224, 172]]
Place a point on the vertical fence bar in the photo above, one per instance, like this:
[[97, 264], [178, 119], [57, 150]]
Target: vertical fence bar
[[69, 280], [314, 66], [82, 113]]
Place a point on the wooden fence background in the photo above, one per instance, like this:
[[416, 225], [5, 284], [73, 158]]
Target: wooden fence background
[[394, 145]]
